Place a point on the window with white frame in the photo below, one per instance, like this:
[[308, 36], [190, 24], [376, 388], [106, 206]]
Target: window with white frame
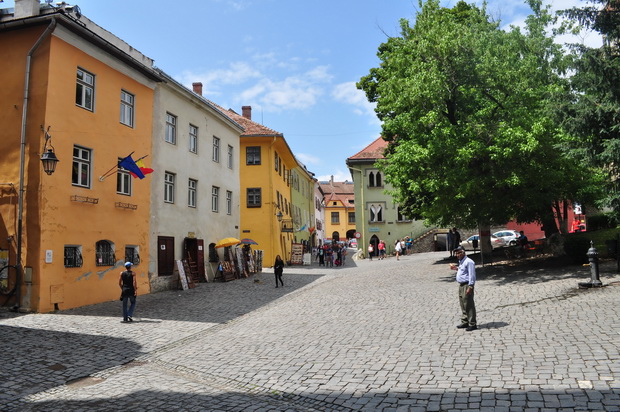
[[252, 155], [215, 199], [127, 108], [193, 138], [169, 179], [191, 192], [85, 90], [82, 164], [230, 156], [228, 202], [216, 149], [253, 196], [73, 256], [171, 128], [123, 181]]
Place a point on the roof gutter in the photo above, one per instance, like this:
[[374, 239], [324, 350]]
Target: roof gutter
[[22, 158]]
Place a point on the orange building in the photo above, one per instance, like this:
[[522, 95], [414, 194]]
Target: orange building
[[93, 94]]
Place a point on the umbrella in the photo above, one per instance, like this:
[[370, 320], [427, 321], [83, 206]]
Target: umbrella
[[247, 241], [227, 241]]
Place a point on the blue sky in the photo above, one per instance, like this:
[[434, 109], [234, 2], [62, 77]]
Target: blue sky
[[295, 62]]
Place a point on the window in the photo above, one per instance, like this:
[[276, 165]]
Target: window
[[73, 256], [193, 138], [85, 90], [335, 218], [252, 155], [230, 156], [216, 149], [276, 162], [228, 202], [378, 180], [215, 199], [254, 197], [351, 217], [191, 192], [80, 175], [123, 181], [376, 213], [169, 179], [400, 216], [127, 108], [371, 179], [132, 254], [105, 253], [171, 128]]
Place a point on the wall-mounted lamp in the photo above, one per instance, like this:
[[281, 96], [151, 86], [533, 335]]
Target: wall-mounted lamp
[[279, 216], [48, 158]]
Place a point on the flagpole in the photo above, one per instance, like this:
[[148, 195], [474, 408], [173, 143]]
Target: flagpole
[[106, 174]]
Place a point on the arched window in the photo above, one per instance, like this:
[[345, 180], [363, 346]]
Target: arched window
[[105, 253], [376, 213], [371, 179], [378, 180]]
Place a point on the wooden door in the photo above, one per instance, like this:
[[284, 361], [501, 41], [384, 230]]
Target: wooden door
[[165, 255]]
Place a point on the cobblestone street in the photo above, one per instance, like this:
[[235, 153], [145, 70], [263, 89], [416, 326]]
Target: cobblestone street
[[374, 335]]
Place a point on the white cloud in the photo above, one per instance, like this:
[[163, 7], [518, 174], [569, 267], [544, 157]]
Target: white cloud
[[348, 93], [308, 159], [236, 73], [339, 176]]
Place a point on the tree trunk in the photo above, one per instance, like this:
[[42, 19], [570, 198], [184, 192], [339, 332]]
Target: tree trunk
[[549, 225], [486, 250]]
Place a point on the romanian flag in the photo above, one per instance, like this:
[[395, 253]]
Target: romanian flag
[[145, 170]]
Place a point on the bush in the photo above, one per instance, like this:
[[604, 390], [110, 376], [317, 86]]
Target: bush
[[602, 221], [576, 247]]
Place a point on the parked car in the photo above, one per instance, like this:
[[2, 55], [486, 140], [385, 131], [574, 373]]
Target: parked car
[[353, 243], [510, 236], [495, 242]]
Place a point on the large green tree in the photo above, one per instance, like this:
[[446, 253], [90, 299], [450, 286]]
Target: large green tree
[[464, 107], [591, 110]]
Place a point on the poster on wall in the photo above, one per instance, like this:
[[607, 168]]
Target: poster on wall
[[297, 253]]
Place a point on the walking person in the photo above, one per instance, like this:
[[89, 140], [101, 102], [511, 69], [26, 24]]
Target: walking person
[[457, 239], [371, 250], [381, 248], [343, 254], [466, 278], [397, 249], [278, 268], [450, 242], [129, 290], [321, 256]]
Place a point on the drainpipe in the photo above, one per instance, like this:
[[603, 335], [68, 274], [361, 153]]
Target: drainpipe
[[22, 159]]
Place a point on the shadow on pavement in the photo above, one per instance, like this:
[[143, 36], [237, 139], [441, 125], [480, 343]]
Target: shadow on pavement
[[588, 399], [35, 360]]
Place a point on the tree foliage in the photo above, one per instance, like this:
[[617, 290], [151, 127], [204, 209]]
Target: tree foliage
[[464, 107], [591, 108]]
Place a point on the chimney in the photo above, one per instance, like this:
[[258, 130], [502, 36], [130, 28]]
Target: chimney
[[26, 8], [197, 86], [331, 180], [246, 111]]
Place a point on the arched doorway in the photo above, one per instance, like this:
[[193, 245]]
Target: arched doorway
[[335, 237], [374, 240], [350, 234]]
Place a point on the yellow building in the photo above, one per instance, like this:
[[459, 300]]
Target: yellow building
[[94, 95], [265, 173], [339, 204]]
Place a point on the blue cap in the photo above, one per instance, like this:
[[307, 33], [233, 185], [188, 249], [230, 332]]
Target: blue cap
[[127, 264]]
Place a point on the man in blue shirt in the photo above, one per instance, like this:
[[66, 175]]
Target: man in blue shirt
[[466, 278]]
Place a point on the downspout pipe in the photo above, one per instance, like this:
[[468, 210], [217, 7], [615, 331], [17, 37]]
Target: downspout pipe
[[22, 159]]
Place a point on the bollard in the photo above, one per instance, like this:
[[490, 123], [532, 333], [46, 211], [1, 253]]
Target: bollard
[[594, 273]]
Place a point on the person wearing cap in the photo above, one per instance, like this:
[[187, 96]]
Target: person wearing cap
[[466, 278], [129, 291]]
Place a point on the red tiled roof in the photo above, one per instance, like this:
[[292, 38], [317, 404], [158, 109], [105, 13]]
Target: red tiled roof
[[338, 191], [372, 151], [251, 127]]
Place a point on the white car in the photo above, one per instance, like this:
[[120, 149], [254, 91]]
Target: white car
[[468, 243], [510, 236]]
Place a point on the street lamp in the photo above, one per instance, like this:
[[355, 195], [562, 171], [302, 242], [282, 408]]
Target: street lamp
[[48, 158], [279, 216]]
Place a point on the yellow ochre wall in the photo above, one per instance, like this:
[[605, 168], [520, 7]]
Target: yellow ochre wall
[[261, 224], [50, 211]]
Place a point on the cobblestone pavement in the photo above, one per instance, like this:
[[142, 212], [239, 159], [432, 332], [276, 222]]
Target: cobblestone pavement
[[375, 335]]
